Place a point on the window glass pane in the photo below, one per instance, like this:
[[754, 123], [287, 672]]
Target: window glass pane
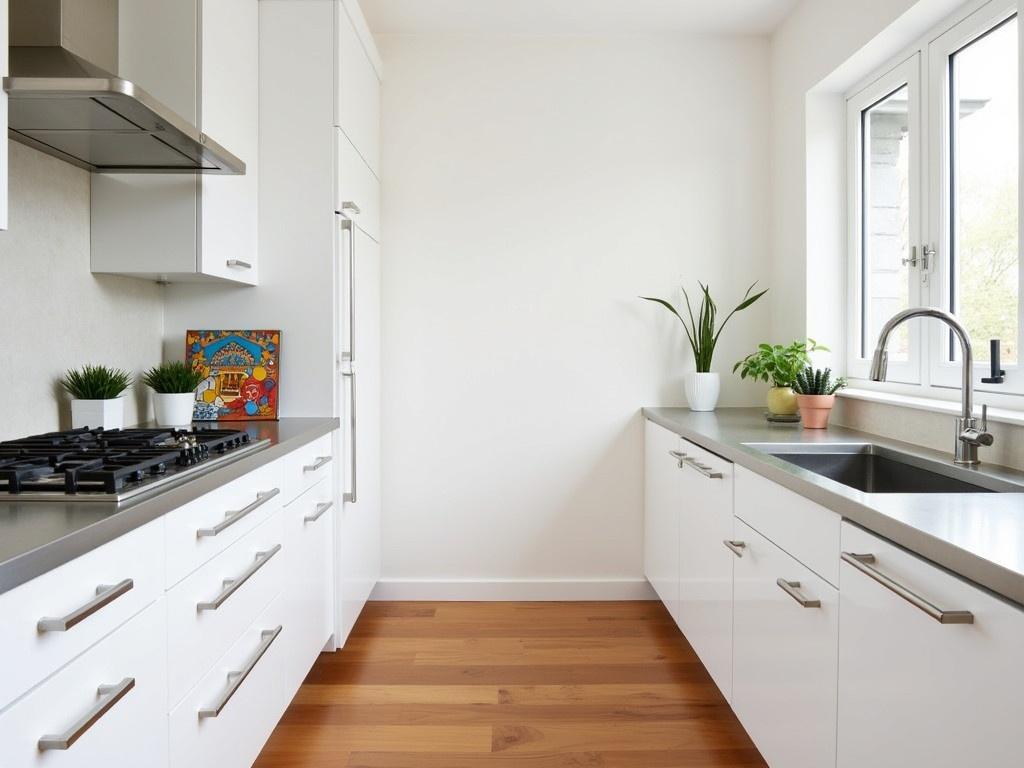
[[885, 238], [983, 165]]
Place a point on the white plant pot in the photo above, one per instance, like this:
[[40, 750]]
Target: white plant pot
[[98, 414], [173, 409], [702, 391]]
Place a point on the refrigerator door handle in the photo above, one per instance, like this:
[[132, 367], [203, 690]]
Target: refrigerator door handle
[[347, 225], [351, 496]]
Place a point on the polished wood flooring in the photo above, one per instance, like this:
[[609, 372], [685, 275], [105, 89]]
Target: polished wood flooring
[[545, 685]]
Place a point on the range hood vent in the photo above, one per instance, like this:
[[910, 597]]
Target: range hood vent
[[64, 100]]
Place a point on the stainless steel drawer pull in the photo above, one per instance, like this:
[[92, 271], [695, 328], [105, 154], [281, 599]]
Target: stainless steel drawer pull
[[704, 469], [321, 461], [865, 564], [230, 518], [736, 547], [792, 588], [109, 696], [231, 585], [351, 207], [678, 456], [320, 510], [238, 264], [105, 595], [235, 679]]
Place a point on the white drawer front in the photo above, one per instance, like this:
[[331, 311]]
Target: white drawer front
[[806, 530], [206, 613], [210, 524], [305, 466], [309, 523], [133, 728], [94, 593], [234, 736]]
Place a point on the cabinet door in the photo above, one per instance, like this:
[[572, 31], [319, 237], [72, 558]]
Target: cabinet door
[[359, 522], [357, 103], [705, 564], [784, 656], [356, 189], [229, 89], [914, 691], [663, 503]]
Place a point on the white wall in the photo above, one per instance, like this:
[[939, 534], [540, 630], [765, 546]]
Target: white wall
[[533, 187], [57, 315]]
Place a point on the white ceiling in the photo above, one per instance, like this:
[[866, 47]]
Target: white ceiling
[[576, 16]]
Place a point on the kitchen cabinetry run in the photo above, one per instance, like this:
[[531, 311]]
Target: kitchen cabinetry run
[[929, 664], [201, 58]]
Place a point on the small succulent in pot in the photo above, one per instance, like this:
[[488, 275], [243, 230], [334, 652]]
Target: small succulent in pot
[[779, 366], [816, 395], [96, 396], [174, 392]]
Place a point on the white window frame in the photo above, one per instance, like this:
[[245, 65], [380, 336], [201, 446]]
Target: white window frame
[[923, 67]]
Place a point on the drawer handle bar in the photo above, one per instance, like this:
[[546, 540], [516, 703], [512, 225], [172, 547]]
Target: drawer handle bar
[[865, 564], [231, 585], [105, 595], [109, 696], [792, 588], [736, 547], [230, 518], [235, 679], [238, 264], [320, 510], [704, 469], [320, 462]]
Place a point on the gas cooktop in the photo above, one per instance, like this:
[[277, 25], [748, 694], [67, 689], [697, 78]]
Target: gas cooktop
[[113, 465]]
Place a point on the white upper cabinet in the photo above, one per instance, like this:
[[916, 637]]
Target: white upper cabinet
[[357, 102], [200, 58]]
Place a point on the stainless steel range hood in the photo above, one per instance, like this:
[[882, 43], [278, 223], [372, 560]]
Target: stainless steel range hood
[[64, 100]]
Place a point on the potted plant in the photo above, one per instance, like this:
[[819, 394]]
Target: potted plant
[[703, 385], [174, 392], [96, 396], [779, 366], [816, 395]]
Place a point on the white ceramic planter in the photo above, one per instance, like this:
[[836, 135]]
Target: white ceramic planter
[[173, 409], [702, 391], [98, 414]]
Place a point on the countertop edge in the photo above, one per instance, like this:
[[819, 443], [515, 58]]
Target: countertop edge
[[34, 563], [999, 580]]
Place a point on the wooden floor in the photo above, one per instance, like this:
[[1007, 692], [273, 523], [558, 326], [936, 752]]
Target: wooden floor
[[546, 685]]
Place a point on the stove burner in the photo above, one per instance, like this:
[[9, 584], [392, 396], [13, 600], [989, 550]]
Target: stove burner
[[84, 461]]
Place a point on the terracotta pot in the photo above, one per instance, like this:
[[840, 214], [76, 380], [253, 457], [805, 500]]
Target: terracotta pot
[[782, 401], [815, 410]]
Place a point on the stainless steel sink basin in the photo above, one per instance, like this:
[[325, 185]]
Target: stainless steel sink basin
[[874, 469]]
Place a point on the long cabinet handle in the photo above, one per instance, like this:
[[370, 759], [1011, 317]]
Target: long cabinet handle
[[320, 510], [678, 456], [238, 264], [736, 547], [352, 496], [321, 461], [350, 354], [704, 469], [865, 564], [235, 679], [792, 588], [230, 518], [232, 585], [105, 595], [109, 696]]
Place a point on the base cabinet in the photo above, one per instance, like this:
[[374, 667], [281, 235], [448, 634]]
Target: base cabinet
[[784, 662], [663, 503], [914, 691]]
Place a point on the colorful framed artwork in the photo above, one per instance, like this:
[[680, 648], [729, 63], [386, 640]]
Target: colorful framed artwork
[[242, 372]]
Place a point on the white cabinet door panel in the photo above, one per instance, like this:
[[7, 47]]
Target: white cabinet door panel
[[357, 190], [357, 104], [663, 504]]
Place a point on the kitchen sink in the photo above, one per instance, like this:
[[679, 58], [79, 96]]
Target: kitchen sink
[[873, 468]]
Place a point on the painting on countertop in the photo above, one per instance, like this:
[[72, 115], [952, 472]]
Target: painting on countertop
[[242, 374]]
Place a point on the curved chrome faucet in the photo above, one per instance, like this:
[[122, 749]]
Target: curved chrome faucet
[[969, 433]]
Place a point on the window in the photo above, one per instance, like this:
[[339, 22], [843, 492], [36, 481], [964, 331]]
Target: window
[[934, 203]]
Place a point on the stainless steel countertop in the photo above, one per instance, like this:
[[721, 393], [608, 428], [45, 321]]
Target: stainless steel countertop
[[38, 536], [978, 536]]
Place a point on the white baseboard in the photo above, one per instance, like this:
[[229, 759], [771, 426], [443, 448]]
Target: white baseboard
[[512, 589]]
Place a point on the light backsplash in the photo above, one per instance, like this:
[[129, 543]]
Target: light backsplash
[[57, 314]]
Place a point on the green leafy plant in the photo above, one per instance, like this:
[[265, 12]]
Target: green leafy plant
[[777, 364], [703, 331], [96, 382], [815, 381], [174, 377]]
